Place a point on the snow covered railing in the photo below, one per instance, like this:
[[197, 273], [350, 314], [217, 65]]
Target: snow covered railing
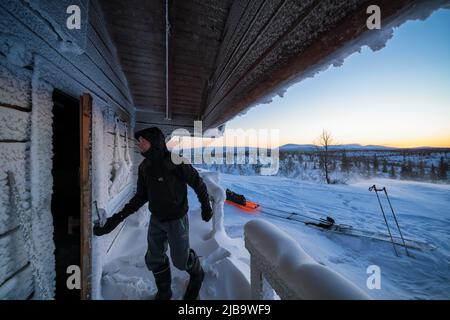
[[291, 272], [217, 196]]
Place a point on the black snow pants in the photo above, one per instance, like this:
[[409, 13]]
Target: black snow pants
[[174, 233]]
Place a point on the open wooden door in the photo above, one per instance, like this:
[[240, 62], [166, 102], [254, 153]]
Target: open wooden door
[[86, 194]]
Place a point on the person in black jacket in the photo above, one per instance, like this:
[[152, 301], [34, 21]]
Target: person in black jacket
[[163, 185]]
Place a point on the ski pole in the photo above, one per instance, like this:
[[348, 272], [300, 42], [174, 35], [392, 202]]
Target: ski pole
[[96, 210], [395, 218], [384, 216], [99, 222], [121, 228], [291, 213]]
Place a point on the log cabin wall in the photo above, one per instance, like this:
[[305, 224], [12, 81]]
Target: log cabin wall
[[37, 58]]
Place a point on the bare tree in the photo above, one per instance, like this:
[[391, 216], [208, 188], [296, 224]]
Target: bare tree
[[325, 141]]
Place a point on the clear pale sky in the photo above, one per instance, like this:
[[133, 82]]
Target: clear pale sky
[[398, 96]]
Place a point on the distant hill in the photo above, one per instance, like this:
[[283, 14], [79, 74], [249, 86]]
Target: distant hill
[[298, 147]]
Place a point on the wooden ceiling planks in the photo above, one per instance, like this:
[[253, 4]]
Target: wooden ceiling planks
[[225, 55], [138, 30], [196, 28]]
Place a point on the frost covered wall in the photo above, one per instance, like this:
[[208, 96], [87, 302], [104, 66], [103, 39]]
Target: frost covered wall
[[37, 57], [113, 173], [26, 244]]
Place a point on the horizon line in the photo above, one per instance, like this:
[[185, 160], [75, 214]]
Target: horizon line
[[314, 145]]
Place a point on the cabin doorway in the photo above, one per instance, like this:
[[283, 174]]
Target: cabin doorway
[[71, 193]]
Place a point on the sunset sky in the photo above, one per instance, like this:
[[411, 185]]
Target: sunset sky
[[398, 96]]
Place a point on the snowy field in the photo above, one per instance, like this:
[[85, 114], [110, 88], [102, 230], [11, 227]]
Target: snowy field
[[422, 210]]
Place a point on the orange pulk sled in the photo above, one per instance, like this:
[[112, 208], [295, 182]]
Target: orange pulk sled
[[238, 200]]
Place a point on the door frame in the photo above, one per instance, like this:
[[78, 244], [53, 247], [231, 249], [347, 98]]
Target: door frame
[[86, 195]]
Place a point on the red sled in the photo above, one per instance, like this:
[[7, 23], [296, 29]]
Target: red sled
[[240, 202], [249, 207]]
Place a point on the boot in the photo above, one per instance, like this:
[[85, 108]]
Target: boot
[[163, 281], [196, 277]]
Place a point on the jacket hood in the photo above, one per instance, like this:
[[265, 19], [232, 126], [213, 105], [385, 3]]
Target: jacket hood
[[157, 140]]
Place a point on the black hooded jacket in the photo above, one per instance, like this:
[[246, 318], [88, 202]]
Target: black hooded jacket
[[162, 183]]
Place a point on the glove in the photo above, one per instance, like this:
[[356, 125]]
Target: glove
[[207, 213], [110, 224]]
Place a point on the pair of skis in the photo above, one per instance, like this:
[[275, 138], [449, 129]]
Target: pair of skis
[[342, 229], [374, 188], [328, 223]]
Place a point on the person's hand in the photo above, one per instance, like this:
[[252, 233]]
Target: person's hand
[[111, 223], [207, 213]]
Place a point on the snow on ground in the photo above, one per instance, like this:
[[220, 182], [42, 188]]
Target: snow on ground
[[422, 210], [423, 214]]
